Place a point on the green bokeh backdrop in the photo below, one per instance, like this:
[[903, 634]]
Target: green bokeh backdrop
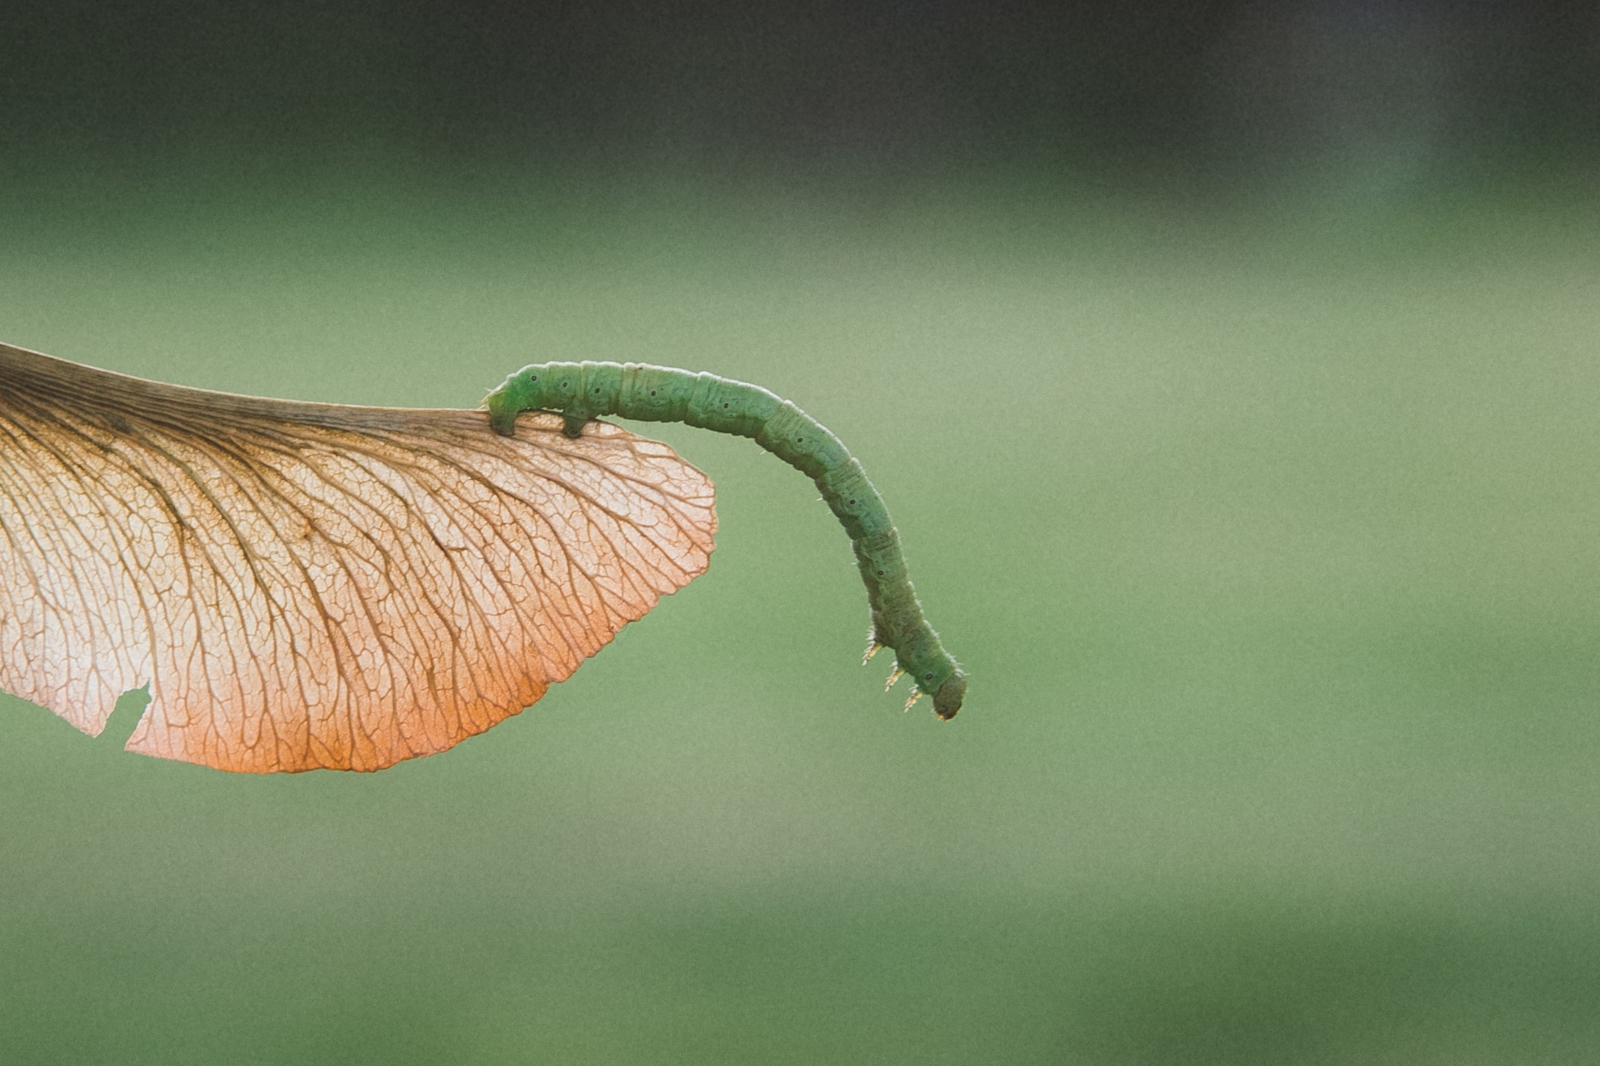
[[1268, 538]]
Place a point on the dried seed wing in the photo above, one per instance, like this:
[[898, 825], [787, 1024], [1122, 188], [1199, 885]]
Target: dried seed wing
[[315, 585]]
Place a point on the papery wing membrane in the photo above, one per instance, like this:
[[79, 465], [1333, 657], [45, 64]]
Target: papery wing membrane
[[313, 585]]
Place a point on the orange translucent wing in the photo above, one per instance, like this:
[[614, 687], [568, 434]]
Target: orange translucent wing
[[314, 585]]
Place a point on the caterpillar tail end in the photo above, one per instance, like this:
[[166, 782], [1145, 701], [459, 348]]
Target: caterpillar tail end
[[502, 412]]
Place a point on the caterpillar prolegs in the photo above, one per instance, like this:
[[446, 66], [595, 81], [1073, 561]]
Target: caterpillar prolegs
[[581, 391]]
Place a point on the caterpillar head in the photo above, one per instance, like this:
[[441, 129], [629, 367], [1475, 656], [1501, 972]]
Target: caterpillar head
[[948, 696], [919, 654]]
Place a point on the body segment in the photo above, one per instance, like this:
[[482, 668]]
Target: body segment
[[581, 391]]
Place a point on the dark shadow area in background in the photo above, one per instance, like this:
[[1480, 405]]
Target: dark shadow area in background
[[1177, 95]]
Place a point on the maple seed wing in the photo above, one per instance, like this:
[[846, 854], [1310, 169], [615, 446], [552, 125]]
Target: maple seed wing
[[312, 585]]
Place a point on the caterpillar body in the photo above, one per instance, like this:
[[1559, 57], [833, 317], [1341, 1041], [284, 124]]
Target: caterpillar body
[[581, 391]]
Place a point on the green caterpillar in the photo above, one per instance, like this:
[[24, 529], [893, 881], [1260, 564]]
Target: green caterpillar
[[581, 391]]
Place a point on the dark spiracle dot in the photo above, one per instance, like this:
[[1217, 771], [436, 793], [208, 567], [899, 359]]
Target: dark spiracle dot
[[928, 676], [880, 573], [724, 405], [652, 392]]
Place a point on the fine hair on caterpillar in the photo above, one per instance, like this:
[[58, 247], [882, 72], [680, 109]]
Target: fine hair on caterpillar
[[581, 391]]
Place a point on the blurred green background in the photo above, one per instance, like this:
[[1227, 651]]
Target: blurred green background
[[1243, 450]]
